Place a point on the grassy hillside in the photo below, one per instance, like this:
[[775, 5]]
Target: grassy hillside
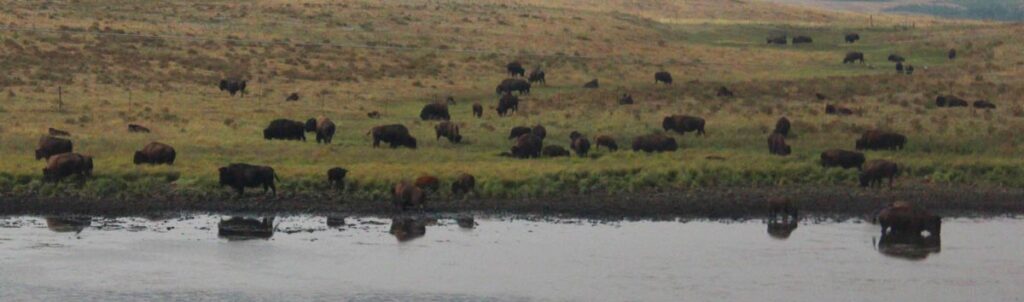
[[158, 64]]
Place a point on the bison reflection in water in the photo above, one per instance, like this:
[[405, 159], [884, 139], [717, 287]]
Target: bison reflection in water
[[68, 224], [242, 228], [909, 246], [787, 211], [781, 229], [406, 228]]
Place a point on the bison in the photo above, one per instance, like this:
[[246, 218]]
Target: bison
[[782, 126], [581, 146], [852, 37], [285, 129], [428, 183], [876, 170], [607, 142], [323, 127], [626, 99], [513, 85], [239, 176], [518, 131], [406, 195], [952, 53], [853, 57], [950, 101], [537, 76], [663, 77], [233, 86], [57, 132], [724, 92], [910, 69], [292, 97], [837, 110], [802, 40], [63, 165], [50, 146], [336, 177], [539, 131], [515, 69], [656, 142], [899, 67], [777, 144], [395, 135], [507, 104], [527, 146], [478, 110], [896, 58], [593, 84], [435, 112], [683, 124], [448, 130], [373, 114], [984, 104], [904, 218], [463, 184], [781, 40], [554, 151], [137, 128], [842, 158], [155, 153], [879, 140]]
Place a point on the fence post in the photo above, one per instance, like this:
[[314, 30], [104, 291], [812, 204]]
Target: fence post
[[129, 100], [60, 99]]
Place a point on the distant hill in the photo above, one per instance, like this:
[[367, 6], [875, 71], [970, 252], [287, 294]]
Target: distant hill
[[1002, 10]]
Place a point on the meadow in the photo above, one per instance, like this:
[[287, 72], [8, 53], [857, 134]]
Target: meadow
[[158, 64]]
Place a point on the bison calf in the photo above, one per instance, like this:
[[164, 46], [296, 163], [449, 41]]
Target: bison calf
[[323, 128], [478, 110]]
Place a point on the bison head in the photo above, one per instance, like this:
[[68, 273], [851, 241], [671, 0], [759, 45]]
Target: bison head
[[266, 133], [668, 123], [39, 154], [410, 142], [311, 125], [139, 157]]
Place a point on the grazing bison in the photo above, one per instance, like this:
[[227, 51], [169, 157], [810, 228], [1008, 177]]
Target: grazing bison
[[554, 151], [910, 69], [373, 114], [463, 184], [137, 128], [292, 97], [663, 77], [950, 101], [777, 144], [853, 57], [63, 165], [952, 53], [507, 104], [478, 110], [448, 130], [323, 127], [336, 177], [782, 126], [580, 145], [57, 132], [155, 153], [518, 131], [656, 142], [515, 69], [50, 146], [233, 86], [537, 76], [406, 195], [984, 104], [837, 110], [626, 99], [904, 218], [724, 92], [899, 68], [527, 146], [783, 207], [435, 112], [781, 40], [802, 40], [592, 84], [607, 142], [896, 58], [239, 176], [683, 124], [820, 97], [285, 129], [428, 183], [879, 140], [876, 170], [395, 135], [852, 37], [842, 158], [513, 85]]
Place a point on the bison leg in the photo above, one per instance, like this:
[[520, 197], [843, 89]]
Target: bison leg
[[376, 142]]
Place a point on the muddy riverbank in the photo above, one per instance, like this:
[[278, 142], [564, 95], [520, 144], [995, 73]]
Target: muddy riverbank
[[702, 203]]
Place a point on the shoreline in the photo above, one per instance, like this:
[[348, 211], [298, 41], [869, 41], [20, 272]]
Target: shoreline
[[711, 203]]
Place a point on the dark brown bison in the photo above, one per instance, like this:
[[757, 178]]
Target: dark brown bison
[[137, 128], [910, 69], [406, 195], [820, 97], [683, 124], [239, 176], [879, 140], [876, 170], [837, 110], [478, 110], [724, 92], [513, 85], [656, 142], [292, 97], [336, 177], [781, 40], [463, 184], [518, 131], [782, 126], [373, 114], [435, 112], [539, 131], [233, 86], [984, 104], [950, 101], [607, 142], [527, 146], [783, 207], [554, 151], [537, 76], [842, 158], [802, 40], [663, 77], [580, 145], [285, 129], [507, 104], [63, 165], [323, 127], [448, 130], [57, 132], [50, 146], [515, 69], [626, 99], [777, 144], [408, 228], [952, 53], [852, 37], [904, 218], [155, 153], [896, 58], [899, 68], [395, 135], [428, 183], [853, 57], [593, 84]]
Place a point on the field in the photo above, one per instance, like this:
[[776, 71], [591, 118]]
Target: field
[[158, 64]]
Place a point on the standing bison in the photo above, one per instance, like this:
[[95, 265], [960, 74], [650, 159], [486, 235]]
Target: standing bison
[[904, 218], [854, 57], [527, 146], [683, 124], [802, 40], [626, 99], [428, 183], [579, 144], [724, 92], [663, 77], [463, 184], [952, 53], [478, 110], [448, 130], [896, 58], [395, 135], [593, 84], [507, 104], [233, 86], [656, 142], [782, 126], [50, 146], [950, 101], [435, 112], [984, 104], [781, 40], [336, 177], [852, 37], [323, 127], [513, 85], [537, 76], [777, 144], [285, 129], [842, 158], [877, 170], [155, 153], [879, 140], [607, 142], [239, 176], [515, 69], [63, 165], [406, 195]]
